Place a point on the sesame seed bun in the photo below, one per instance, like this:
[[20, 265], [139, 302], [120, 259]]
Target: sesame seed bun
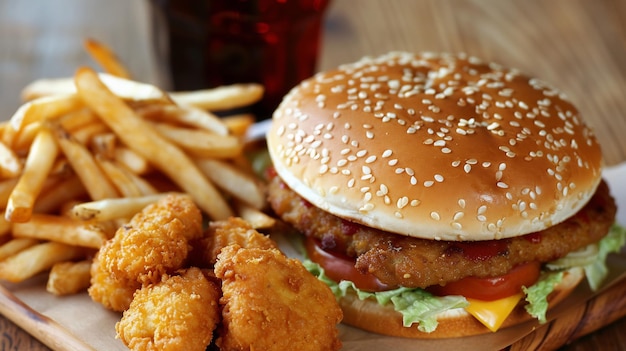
[[441, 147], [374, 317]]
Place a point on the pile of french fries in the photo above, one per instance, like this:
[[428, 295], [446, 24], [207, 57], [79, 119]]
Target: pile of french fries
[[83, 154]]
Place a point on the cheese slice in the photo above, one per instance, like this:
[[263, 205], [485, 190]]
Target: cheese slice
[[493, 313]]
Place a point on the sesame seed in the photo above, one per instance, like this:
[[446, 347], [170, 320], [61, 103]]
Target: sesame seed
[[434, 215], [461, 203], [402, 202]]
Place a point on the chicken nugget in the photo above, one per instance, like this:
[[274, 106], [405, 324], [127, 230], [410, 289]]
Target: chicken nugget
[[178, 313], [154, 242], [114, 294], [271, 302], [220, 234]]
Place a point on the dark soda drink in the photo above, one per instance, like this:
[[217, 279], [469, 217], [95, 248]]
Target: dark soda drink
[[216, 42]]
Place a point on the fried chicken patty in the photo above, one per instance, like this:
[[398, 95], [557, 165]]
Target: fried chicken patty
[[398, 260]]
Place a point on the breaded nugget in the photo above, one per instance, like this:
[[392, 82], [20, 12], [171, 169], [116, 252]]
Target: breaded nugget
[[220, 234], [155, 242], [114, 294], [271, 302], [178, 313]]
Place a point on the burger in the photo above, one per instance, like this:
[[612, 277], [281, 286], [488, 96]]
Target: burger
[[439, 195]]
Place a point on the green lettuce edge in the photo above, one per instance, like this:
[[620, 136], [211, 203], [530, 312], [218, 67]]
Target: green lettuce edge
[[420, 307]]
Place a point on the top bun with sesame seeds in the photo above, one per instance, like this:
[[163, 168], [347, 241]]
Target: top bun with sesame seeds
[[443, 147]]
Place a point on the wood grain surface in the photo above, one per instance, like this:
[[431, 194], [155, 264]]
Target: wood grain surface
[[576, 45]]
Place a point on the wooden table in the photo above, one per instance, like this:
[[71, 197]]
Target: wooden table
[[577, 45]]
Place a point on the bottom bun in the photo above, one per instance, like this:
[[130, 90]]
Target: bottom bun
[[369, 315]]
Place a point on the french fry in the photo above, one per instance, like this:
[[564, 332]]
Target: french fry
[[221, 98], [234, 181], [110, 209], [24, 138], [39, 162], [5, 227], [36, 259], [44, 108], [239, 124], [141, 137], [14, 246], [126, 89], [131, 160], [63, 230], [104, 145], [125, 186], [65, 190], [10, 165], [144, 186], [61, 168], [256, 218], [47, 87], [185, 115], [68, 278], [78, 119], [6, 187], [95, 181], [84, 134], [106, 58], [201, 143]]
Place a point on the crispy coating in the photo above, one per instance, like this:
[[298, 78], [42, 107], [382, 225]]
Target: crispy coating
[[272, 303], [398, 260], [178, 313], [114, 294], [220, 234], [153, 243]]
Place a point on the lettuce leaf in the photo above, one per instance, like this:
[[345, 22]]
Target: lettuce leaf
[[415, 305], [537, 294], [421, 307], [597, 271]]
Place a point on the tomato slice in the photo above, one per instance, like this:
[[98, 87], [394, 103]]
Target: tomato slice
[[495, 288], [339, 267]]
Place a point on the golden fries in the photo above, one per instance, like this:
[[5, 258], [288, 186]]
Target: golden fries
[[109, 209], [106, 58], [125, 89], [14, 246], [40, 160], [10, 164], [44, 108], [231, 179], [239, 124], [141, 137], [186, 115], [201, 143], [62, 229], [69, 277], [97, 184], [131, 160], [256, 218], [36, 259], [222, 98]]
